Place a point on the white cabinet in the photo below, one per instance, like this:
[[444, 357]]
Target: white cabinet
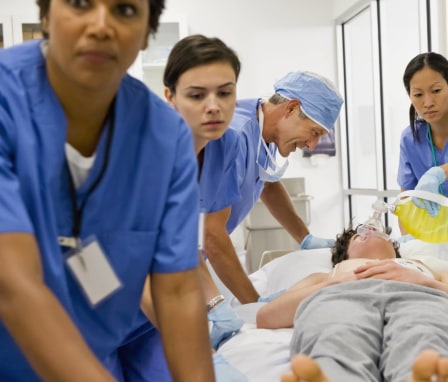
[[25, 27], [263, 233], [15, 29], [150, 63]]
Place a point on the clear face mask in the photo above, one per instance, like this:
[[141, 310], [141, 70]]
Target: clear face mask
[[365, 231], [373, 226], [273, 172]]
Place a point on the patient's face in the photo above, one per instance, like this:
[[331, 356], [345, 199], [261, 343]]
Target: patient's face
[[370, 247]]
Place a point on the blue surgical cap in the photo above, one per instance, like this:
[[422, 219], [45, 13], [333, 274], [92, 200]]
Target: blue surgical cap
[[319, 98]]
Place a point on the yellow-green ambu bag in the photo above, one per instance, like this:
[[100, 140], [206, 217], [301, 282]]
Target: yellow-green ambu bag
[[417, 221]]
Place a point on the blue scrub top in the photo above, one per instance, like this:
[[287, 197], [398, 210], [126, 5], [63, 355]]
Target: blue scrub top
[[144, 212], [416, 157], [245, 123], [218, 182], [219, 189]]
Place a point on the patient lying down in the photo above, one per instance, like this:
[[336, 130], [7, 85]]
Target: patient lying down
[[426, 367], [370, 319], [354, 257]]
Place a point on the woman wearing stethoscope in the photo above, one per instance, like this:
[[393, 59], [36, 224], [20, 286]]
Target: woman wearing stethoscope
[[423, 148]]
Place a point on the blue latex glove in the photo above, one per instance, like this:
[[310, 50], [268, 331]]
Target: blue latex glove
[[273, 296], [405, 239], [430, 181], [224, 372], [313, 242], [226, 323]]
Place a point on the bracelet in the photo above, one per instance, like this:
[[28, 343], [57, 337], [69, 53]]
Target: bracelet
[[214, 301]]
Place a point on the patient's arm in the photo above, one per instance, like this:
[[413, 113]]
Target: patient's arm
[[279, 313], [441, 281]]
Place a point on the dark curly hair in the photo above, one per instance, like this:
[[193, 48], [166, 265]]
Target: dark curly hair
[[156, 8], [339, 249]]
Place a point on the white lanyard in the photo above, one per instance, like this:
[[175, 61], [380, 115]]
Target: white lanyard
[[261, 125]]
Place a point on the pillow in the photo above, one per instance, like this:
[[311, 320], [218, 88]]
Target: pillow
[[435, 256], [285, 271], [413, 248]]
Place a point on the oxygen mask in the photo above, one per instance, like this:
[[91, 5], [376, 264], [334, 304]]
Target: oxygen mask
[[373, 226]]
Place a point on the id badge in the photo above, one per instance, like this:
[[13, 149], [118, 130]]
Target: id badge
[[93, 272]]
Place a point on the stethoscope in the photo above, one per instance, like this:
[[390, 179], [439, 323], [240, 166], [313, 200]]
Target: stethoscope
[[433, 151]]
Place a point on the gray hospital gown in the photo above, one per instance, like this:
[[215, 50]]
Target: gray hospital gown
[[371, 330]]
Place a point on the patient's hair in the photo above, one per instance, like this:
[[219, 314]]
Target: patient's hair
[[339, 249]]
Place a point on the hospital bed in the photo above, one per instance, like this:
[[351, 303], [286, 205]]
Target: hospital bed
[[263, 354]]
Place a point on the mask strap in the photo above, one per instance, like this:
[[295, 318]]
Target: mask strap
[[260, 125], [261, 140]]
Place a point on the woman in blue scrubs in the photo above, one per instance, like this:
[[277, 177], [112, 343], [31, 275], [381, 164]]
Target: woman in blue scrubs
[[200, 79], [98, 189], [424, 143], [200, 83]]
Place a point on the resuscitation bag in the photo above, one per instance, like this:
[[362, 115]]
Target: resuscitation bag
[[417, 221]]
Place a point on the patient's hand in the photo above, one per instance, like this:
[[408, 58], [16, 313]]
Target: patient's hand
[[389, 270]]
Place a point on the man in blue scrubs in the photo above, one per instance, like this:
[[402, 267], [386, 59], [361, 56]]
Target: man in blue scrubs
[[305, 107]]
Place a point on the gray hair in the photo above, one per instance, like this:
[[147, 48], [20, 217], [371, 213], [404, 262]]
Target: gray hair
[[278, 99]]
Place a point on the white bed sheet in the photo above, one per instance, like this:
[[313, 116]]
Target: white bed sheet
[[263, 354]]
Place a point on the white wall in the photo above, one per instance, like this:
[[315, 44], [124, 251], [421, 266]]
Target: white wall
[[271, 39], [17, 7]]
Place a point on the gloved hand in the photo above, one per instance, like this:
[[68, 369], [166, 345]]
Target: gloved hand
[[226, 323], [273, 296], [430, 181], [313, 242], [224, 372], [405, 238]]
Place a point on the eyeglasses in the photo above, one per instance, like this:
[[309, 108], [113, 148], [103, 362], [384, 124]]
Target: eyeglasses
[[365, 231]]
